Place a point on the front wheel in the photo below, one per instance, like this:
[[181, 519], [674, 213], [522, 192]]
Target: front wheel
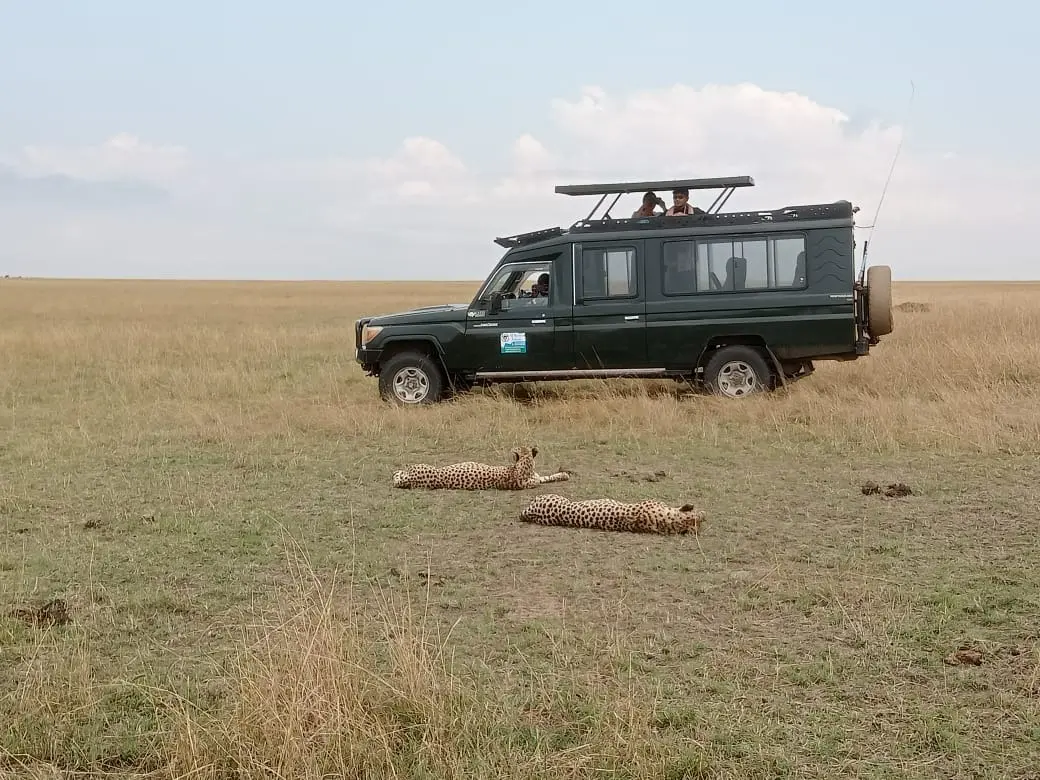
[[411, 378], [736, 372]]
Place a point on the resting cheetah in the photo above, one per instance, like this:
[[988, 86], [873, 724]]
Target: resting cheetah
[[606, 514], [478, 476]]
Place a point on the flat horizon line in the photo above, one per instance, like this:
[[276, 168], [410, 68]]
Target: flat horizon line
[[268, 280]]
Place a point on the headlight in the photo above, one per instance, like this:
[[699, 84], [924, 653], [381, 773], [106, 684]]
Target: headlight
[[369, 332]]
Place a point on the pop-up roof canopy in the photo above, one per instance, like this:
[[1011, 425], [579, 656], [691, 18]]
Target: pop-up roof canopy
[[728, 184]]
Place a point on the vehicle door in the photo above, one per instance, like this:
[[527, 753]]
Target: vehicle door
[[609, 321], [510, 326], [720, 286]]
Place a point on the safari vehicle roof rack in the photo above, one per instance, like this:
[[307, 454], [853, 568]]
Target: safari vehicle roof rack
[[713, 217], [728, 184], [841, 209], [529, 238]]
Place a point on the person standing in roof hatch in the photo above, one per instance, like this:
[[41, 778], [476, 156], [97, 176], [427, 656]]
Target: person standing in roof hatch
[[681, 204], [650, 200]]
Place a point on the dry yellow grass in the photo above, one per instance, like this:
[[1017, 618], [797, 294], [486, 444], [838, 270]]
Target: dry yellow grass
[[202, 472]]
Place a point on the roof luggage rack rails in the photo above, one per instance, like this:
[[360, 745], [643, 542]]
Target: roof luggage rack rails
[[520, 239], [839, 210]]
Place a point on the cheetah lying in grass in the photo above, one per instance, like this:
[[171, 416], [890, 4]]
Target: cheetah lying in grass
[[606, 514], [478, 476]]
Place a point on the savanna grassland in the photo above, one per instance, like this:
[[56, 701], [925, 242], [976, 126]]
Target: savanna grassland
[[201, 473]]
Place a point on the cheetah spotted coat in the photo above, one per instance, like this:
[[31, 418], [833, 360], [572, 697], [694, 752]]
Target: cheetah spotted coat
[[606, 514], [478, 476]]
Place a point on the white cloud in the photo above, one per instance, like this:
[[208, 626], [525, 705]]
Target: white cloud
[[425, 210], [418, 155], [534, 172], [530, 156], [797, 150], [121, 157]]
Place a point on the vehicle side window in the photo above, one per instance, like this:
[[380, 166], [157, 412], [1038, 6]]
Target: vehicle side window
[[730, 265], [788, 261], [608, 273], [680, 276]]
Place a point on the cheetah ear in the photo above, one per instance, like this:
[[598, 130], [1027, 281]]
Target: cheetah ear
[[534, 451], [687, 508]]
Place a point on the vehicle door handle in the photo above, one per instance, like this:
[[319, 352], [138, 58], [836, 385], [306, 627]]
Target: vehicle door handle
[[631, 316], [537, 322]]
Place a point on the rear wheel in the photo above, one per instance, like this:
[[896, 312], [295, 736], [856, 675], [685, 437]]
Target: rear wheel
[[411, 378], [736, 372], [879, 299]]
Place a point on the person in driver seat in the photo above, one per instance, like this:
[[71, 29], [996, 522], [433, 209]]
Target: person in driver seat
[[540, 289]]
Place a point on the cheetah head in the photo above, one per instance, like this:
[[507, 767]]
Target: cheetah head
[[523, 461], [687, 519]]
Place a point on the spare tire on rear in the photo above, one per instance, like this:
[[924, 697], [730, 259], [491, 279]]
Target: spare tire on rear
[[879, 299]]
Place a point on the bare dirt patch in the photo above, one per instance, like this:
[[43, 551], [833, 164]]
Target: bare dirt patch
[[52, 613], [913, 307], [645, 476], [965, 655], [892, 490]]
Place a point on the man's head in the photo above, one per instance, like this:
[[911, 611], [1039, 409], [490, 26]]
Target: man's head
[[680, 197], [541, 287], [650, 200]]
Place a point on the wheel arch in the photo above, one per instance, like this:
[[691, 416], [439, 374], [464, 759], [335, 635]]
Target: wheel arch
[[753, 340], [423, 344], [430, 348]]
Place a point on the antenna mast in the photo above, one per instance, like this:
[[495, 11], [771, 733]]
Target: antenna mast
[[884, 190]]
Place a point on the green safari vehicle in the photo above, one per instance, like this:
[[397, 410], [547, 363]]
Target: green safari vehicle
[[732, 302]]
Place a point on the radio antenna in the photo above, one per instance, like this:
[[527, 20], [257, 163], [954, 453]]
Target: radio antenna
[[884, 190]]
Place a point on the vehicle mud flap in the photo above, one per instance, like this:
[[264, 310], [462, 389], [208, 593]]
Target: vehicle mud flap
[[776, 364]]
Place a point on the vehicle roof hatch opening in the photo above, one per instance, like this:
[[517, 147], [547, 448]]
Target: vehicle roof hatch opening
[[728, 185]]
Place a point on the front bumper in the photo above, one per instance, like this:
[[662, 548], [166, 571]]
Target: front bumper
[[367, 358]]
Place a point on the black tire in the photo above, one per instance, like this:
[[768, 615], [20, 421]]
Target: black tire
[[414, 375], [727, 362]]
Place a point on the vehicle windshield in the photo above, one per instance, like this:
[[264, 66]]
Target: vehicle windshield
[[520, 284]]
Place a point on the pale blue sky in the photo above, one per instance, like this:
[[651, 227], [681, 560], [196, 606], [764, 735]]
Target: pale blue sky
[[279, 115]]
